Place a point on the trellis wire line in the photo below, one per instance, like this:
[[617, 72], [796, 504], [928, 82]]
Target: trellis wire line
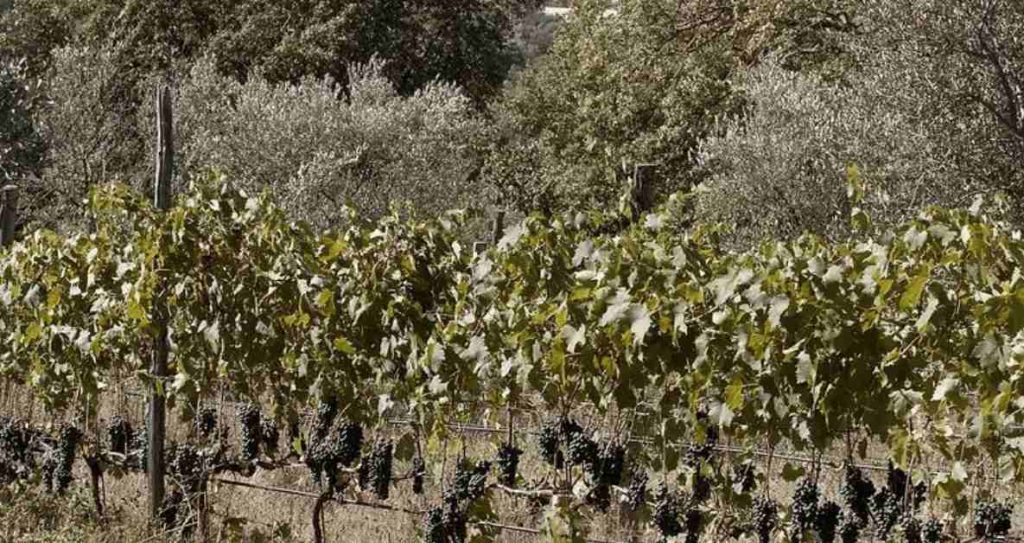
[[381, 507]]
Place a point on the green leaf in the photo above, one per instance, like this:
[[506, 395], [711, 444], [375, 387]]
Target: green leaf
[[792, 472], [343, 345], [912, 295]]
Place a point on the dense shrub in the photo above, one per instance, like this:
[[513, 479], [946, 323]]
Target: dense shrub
[[645, 81], [781, 169], [317, 153], [89, 139], [21, 148], [918, 107], [467, 42]]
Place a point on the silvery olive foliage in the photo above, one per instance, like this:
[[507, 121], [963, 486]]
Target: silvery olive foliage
[[781, 169], [90, 139], [922, 110], [318, 151]]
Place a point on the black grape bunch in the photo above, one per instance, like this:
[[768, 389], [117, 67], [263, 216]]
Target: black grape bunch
[[765, 519], [205, 422], [419, 473], [636, 492], [433, 526], [348, 443], [826, 522], [910, 528], [886, 511], [667, 510], [326, 411], [64, 457], [693, 523], [804, 511], [251, 434], [606, 472], [992, 520], [16, 459], [508, 464], [849, 528], [583, 450], [698, 453], [470, 482], [187, 467], [744, 477], [270, 436], [548, 443], [446, 523], [380, 468], [120, 435], [566, 440], [857, 492], [931, 532]]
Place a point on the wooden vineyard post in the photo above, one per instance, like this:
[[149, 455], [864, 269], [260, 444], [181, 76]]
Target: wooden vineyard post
[[8, 214], [642, 189], [158, 368], [497, 231], [499, 228]]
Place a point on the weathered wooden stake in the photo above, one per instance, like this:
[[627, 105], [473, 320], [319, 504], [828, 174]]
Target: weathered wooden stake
[[499, 228], [642, 189], [8, 214], [158, 366]]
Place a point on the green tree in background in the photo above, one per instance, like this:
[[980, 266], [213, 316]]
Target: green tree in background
[[21, 147], [645, 81]]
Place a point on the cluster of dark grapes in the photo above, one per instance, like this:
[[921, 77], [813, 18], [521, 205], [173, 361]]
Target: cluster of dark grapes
[[64, 458], [120, 434], [335, 450], [886, 510], [636, 492], [745, 478], [550, 449], [139, 450], [470, 481], [332, 447], [693, 522], [16, 444], [606, 472], [170, 511], [187, 467], [667, 510], [766, 518], [445, 523], [910, 527], [992, 520], [567, 440], [419, 473], [931, 532], [804, 512], [269, 436], [849, 528], [508, 464], [326, 411], [380, 460], [826, 521], [249, 419], [583, 451], [205, 422], [856, 492], [698, 453]]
